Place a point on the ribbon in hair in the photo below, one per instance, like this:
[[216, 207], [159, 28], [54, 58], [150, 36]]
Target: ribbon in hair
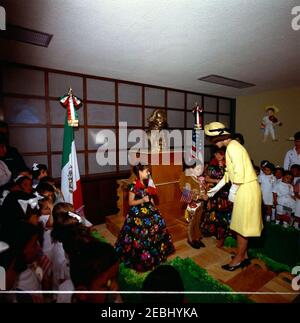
[[18, 177], [3, 246], [75, 216], [39, 197], [35, 166], [4, 194], [33, 203]]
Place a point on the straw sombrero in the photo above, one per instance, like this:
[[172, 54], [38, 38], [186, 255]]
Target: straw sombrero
[[276, 110]]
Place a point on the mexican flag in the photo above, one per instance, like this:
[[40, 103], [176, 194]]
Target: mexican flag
[[70, 177]]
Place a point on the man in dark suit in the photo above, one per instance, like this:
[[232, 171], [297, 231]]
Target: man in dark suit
[[12, 157]]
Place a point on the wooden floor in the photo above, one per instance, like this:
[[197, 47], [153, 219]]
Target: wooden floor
[[255, 278]]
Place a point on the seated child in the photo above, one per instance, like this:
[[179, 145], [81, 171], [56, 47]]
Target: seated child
[[61, 220], [12, 210], [46, 219], [25, 171], [284, 200], [267, 182], [163, 278], [95, 267], [27, 262], [24, 184], [73, 237], [38, 172], [59, 198], [5, 174], [46, 190], [193, 189]]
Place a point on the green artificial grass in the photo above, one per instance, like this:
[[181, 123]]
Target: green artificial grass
[[277, 246], [270, 263], [95, 234], [194, 278], [230, 242]]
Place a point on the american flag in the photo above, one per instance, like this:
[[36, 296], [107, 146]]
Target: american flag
[[194, 140], [186, 196], [197, 144]]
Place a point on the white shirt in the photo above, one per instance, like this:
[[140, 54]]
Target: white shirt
[[297, 190], [296, 179], [267, 183], [285, 193], [58, 262], [5, 173], [66, 286], [28, 280], [291, 158], [47, 243]]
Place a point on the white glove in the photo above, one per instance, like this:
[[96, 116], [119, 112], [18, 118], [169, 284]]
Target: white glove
[[216, 189], [232, 192]]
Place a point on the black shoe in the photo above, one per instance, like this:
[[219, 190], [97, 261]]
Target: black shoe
[[244, 263], [194, 244], [202, 245]]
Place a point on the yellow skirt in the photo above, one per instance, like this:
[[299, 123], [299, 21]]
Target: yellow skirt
[[246, 215]]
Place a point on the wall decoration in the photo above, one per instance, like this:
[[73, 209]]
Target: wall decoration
[[269, 122]]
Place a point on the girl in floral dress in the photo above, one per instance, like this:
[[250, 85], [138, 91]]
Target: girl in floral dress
[[216, 221], [143, 242]]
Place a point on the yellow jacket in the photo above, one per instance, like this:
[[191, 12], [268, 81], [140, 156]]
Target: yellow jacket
[[239, 168], [246, 214]]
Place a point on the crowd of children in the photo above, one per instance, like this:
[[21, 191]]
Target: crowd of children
[[280, 191], [46, 245]]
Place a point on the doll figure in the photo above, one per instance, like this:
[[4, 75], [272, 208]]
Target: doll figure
[[269, 122]]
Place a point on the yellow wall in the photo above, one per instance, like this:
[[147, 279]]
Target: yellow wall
[[249, 114]]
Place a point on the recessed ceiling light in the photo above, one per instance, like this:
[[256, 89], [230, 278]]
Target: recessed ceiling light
[[217, 79]]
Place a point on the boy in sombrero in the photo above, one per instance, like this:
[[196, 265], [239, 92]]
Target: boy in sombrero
[[269, 121]]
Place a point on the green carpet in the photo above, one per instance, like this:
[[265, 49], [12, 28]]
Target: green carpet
[[278, 247], [194, 278]]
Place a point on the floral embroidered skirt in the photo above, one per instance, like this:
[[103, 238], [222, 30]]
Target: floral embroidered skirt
[[144, 242]]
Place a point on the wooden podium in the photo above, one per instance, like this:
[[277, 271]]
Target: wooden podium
[[166, 169]]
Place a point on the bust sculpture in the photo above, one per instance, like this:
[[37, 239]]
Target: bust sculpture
[[157, 138]]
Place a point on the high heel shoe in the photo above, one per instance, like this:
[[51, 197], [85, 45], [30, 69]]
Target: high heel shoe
[[194, 244], [243, 264]]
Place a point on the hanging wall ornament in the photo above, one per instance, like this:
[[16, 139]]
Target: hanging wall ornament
[[269, 122], [72, 104]]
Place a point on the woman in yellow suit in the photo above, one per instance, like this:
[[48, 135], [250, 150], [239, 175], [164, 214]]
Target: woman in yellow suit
[[245, 192]]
